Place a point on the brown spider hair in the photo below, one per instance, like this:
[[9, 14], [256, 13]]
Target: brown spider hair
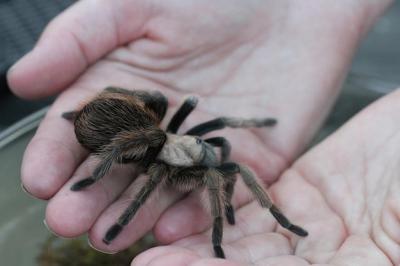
[[122, 126]]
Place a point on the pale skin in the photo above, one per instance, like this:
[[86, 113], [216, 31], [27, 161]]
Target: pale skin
[[348, 201], [242, 59]]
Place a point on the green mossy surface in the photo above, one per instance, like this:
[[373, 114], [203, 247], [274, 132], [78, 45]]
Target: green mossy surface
[[77, 252]]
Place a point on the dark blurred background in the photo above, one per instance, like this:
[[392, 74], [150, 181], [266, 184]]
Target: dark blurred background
[[22, 21]]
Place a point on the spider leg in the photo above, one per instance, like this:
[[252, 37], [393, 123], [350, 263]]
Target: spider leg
[[214, 185], [228, 188], [222, 122], [229, 171], [186, 108], [101, 170], [222, 143], [229, 174], [188, 178], [263, 198], [70, 116], [156, 173], [134, 146], [154, 100], [140, 145]]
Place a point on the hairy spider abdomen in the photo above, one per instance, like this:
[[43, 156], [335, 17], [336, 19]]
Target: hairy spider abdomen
[[110, 115], [122, 126]]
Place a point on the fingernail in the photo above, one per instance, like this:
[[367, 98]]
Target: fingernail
[[26, 191], [99, 250], [12, 68], [51, 231]]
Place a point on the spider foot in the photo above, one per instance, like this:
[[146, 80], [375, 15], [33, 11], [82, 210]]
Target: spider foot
[[112, 233], [285, 223], [297, 230], [191, 102], [269, 122], [219, 252], [82, 184], [69, 115]]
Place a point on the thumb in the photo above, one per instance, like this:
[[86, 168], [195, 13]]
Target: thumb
[[72, 41]]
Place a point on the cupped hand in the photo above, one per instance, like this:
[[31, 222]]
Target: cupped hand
[[345, 192], [247, 59]]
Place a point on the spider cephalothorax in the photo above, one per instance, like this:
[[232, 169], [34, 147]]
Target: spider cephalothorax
[[122, 126]]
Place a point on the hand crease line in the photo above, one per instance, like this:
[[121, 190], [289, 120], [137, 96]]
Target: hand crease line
[[304, 177], [280, 155], [81, 49]]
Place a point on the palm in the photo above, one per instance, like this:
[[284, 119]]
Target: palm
[[345, 192], [241, 59]]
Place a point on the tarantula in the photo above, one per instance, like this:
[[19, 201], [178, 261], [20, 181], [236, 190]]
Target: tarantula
[[122, 126]]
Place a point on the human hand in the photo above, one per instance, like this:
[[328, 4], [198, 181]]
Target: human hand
[[242, 59], [345, 192]]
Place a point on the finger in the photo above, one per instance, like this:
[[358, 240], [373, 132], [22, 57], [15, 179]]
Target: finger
[[171, 227], [145, 257], [71, 213], [326, 229], [53, 153], [188, 259], [246, 250], [74, 40], [289, 260], [250, 220], [176, 256], [142, 222], [364, 249], [174, 259], [214, 262], [150, 257]]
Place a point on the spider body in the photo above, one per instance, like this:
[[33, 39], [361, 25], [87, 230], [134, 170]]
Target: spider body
[[185, 151], [122, 126], [113, 118]]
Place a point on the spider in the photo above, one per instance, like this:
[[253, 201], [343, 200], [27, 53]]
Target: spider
[[122, 126]]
